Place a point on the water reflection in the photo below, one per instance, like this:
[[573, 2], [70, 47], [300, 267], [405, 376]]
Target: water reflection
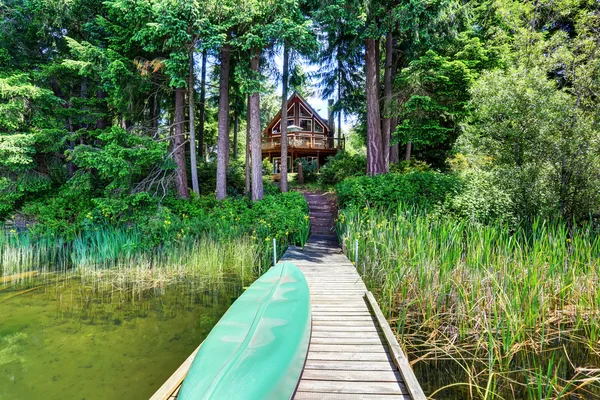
[[68, 338]]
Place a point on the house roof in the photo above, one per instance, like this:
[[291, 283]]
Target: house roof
[[296, 95]]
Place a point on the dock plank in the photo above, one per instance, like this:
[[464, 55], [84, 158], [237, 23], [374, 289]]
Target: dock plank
[[349, 356]]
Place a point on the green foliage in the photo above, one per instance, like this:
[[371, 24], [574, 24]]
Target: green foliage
[[341, 166], [267, 167], [236, 178], [541, 148], [480, 199], [435, 93], [438, 274], [309, 169], [119, 158], [425, 189]]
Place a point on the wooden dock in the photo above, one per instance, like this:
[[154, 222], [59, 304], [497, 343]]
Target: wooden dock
[[353, 353]]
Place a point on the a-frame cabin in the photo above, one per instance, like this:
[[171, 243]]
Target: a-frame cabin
[[312, 137]]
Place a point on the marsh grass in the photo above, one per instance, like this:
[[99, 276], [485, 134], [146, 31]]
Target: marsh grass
[[116, 260], [517, 310]]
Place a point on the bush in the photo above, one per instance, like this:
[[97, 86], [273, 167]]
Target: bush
[[481, 199], [418, 188], [341, 166], [236, 178], [267, 167], [309, 169]]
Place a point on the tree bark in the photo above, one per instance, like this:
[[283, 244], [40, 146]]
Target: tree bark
[[387, 101], [248, 170], [283, 177], [375, 157], [223, 125], [191, 110], [407, 151], [155, 114], [202, 105], [236, 126], [339, 90], [254, 122], [394, 148], [179, 145]]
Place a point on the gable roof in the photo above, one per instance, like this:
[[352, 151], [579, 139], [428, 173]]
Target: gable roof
[[296, 95]]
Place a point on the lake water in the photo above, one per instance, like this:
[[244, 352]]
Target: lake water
[[69, 340]]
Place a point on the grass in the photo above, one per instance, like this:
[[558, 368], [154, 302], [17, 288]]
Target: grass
[[115, 258], [487, 298]]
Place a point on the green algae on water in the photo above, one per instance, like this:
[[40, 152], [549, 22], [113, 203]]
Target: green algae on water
[[69, 340]]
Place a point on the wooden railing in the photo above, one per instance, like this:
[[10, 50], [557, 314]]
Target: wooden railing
[[304, 141]]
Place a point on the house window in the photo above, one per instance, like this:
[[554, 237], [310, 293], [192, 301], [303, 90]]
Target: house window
[[290, 122], [277, 165], [291, 111], [277, 128], [304, 112], [319, 127], [306, 125]]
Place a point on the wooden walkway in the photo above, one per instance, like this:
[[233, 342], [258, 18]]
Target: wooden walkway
[[353, 353]]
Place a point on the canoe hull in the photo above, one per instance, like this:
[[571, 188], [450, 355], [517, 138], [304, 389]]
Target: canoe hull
[[258, 348]]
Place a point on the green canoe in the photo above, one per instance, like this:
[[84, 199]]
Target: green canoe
[[258, 348]]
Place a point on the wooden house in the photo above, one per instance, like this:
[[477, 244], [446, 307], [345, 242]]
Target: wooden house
[[309, 136]]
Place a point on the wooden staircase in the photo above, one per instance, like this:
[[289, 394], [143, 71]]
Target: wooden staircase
[[323, 211]]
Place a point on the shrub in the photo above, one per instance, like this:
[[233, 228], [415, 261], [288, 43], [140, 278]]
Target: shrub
[[418, 188], [341, 166], [236, 178], [481, 199], [267, 167], [309, 169]]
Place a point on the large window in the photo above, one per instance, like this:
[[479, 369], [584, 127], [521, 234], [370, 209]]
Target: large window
[[304, 112], [306, 125], [318, 127]]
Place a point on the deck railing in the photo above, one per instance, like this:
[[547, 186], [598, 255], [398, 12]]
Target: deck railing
[[304, 141]]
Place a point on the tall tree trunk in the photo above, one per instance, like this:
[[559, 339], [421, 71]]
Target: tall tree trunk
[[283, 176], [248, 170], [179, 145], [375, 160], [155, 114], [254, 122], [387, 101], [236, 126], [394, 148], [193, 163], [339, 95], [407, 151], [223, 134], [202, 105]]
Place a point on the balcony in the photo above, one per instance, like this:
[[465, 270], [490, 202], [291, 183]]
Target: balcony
[[304, 141]]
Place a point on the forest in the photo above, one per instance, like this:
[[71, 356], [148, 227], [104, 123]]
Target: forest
[[130, 135]]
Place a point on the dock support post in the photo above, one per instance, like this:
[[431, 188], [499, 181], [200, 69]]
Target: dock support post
[[274, 252]]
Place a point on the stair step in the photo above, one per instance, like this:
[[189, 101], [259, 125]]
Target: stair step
[[322, 229], [321, 207], [325, 224], [324, 214]]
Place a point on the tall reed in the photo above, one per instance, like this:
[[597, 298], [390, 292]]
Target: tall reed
[[117, 257], [489, 291]]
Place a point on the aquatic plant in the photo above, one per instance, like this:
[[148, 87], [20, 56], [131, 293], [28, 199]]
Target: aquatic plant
[[488, 295]]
